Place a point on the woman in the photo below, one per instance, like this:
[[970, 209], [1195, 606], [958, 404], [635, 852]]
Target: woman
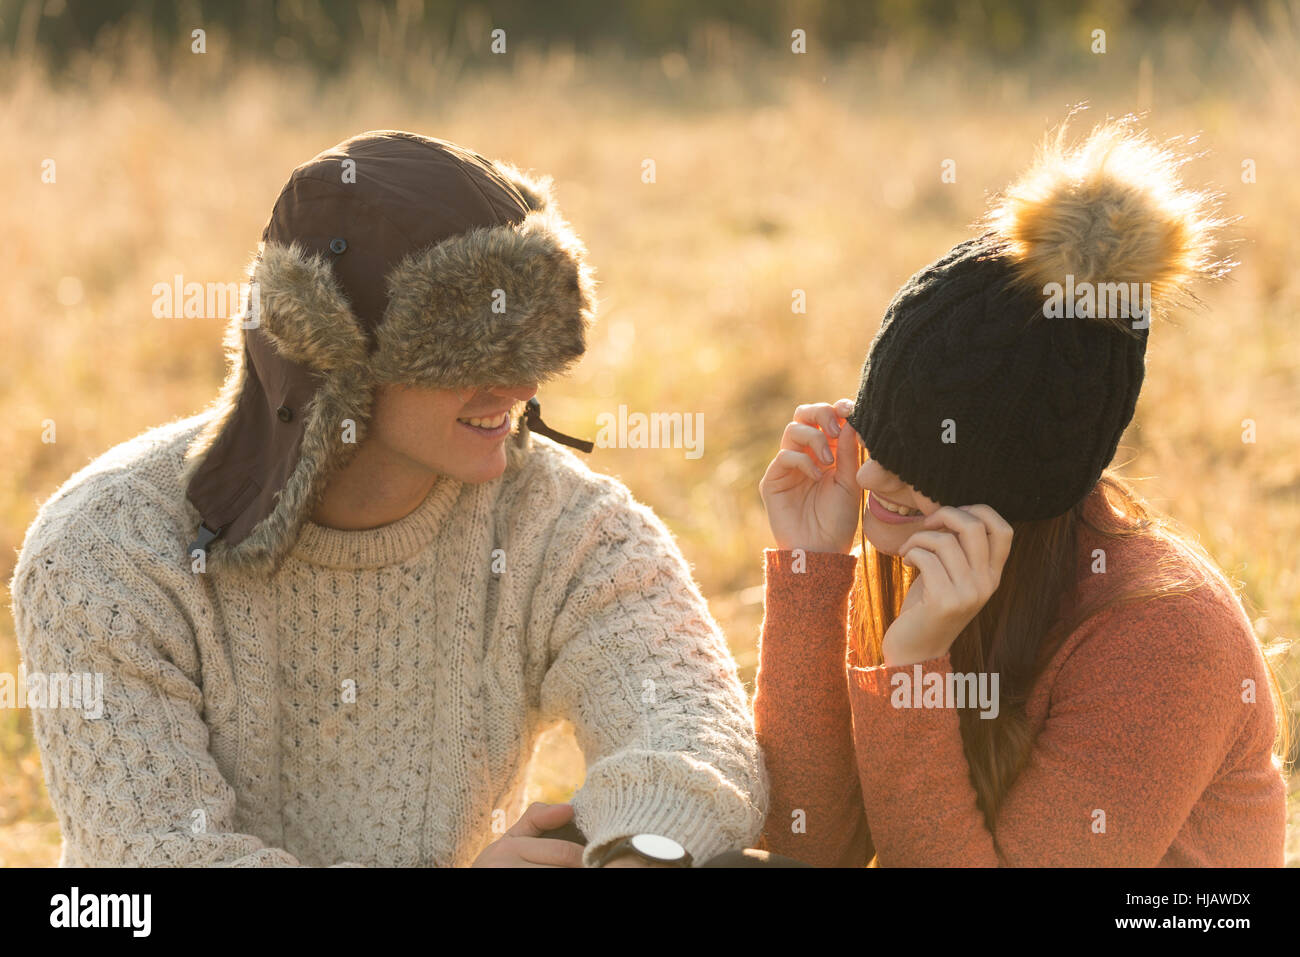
[[1040, 670]]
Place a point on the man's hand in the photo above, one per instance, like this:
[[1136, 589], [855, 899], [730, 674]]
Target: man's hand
[[522, 845]]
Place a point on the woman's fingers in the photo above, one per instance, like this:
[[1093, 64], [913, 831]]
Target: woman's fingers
[[788, 461], [819, 414], [931, 568], [970, 530], [1000, 534], [813, 428], [945, 547], [846, 459], [800, 436], [978, 541], [963, 588]]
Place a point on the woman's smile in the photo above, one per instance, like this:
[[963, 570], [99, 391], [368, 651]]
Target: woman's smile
[[891, 513]]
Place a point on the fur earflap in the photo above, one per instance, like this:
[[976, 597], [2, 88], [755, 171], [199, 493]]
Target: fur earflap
[[303, 309], [322, 455], [293, 288], [494, 306], [538, 191], [1108, 210]]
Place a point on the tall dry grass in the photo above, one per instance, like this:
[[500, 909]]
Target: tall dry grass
[[774, 173]]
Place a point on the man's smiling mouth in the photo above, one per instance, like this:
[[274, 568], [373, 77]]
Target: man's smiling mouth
[[486, 422]]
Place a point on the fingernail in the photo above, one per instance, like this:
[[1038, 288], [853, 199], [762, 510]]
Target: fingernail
[[827, 457], [835, 427]]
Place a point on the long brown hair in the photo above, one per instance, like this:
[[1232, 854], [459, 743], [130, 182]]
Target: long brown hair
[[1023, 623]]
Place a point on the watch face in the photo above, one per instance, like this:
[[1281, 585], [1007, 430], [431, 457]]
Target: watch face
[[658, 848]]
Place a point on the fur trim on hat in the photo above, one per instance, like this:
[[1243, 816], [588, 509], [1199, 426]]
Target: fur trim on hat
[[498, 306], [304, 310], [501, 305], [344, 396], [538, 191]]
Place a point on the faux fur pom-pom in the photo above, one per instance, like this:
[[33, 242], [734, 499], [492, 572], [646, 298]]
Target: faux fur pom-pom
[[1109, 209]]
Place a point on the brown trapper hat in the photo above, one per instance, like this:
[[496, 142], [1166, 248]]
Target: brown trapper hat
[[389, 258]]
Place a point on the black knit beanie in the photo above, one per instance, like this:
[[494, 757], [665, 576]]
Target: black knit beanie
[[1005, 372]]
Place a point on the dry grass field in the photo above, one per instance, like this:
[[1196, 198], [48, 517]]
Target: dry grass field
[[773, 173]]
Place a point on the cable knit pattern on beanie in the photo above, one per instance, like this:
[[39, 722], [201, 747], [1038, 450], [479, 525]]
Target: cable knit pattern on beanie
[[376, 700]]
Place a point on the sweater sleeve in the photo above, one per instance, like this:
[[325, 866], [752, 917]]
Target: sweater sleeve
[[1143, 711], [643, 672], [130, 776], [802, 714]]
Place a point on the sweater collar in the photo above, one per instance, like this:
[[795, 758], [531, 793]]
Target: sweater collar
[[376, 547]]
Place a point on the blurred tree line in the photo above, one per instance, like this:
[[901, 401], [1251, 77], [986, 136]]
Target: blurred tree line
[[323, 33]]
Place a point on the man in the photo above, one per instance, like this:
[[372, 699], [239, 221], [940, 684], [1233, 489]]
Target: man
[[334, 612]]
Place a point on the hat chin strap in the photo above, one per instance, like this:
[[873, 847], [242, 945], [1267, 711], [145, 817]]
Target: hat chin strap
[[206, 537], [533, 416]]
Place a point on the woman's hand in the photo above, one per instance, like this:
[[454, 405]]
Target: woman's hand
[[522, 845], [959, 569], [810, 490]]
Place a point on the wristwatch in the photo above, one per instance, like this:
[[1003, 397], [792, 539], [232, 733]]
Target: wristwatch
[[652, 847]]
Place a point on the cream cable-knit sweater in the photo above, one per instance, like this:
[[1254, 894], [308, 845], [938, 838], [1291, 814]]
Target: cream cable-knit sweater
[[230, 734]]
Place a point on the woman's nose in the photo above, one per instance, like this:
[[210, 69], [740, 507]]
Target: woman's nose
[[872, 473]]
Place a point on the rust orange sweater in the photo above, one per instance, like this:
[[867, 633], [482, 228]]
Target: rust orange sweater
[[1140, 715]]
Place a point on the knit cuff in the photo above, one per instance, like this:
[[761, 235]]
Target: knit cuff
[[807, 586], [908, 727], [878, 679], [672, 794]]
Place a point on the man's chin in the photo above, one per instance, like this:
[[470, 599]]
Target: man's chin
[[485, 467]]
